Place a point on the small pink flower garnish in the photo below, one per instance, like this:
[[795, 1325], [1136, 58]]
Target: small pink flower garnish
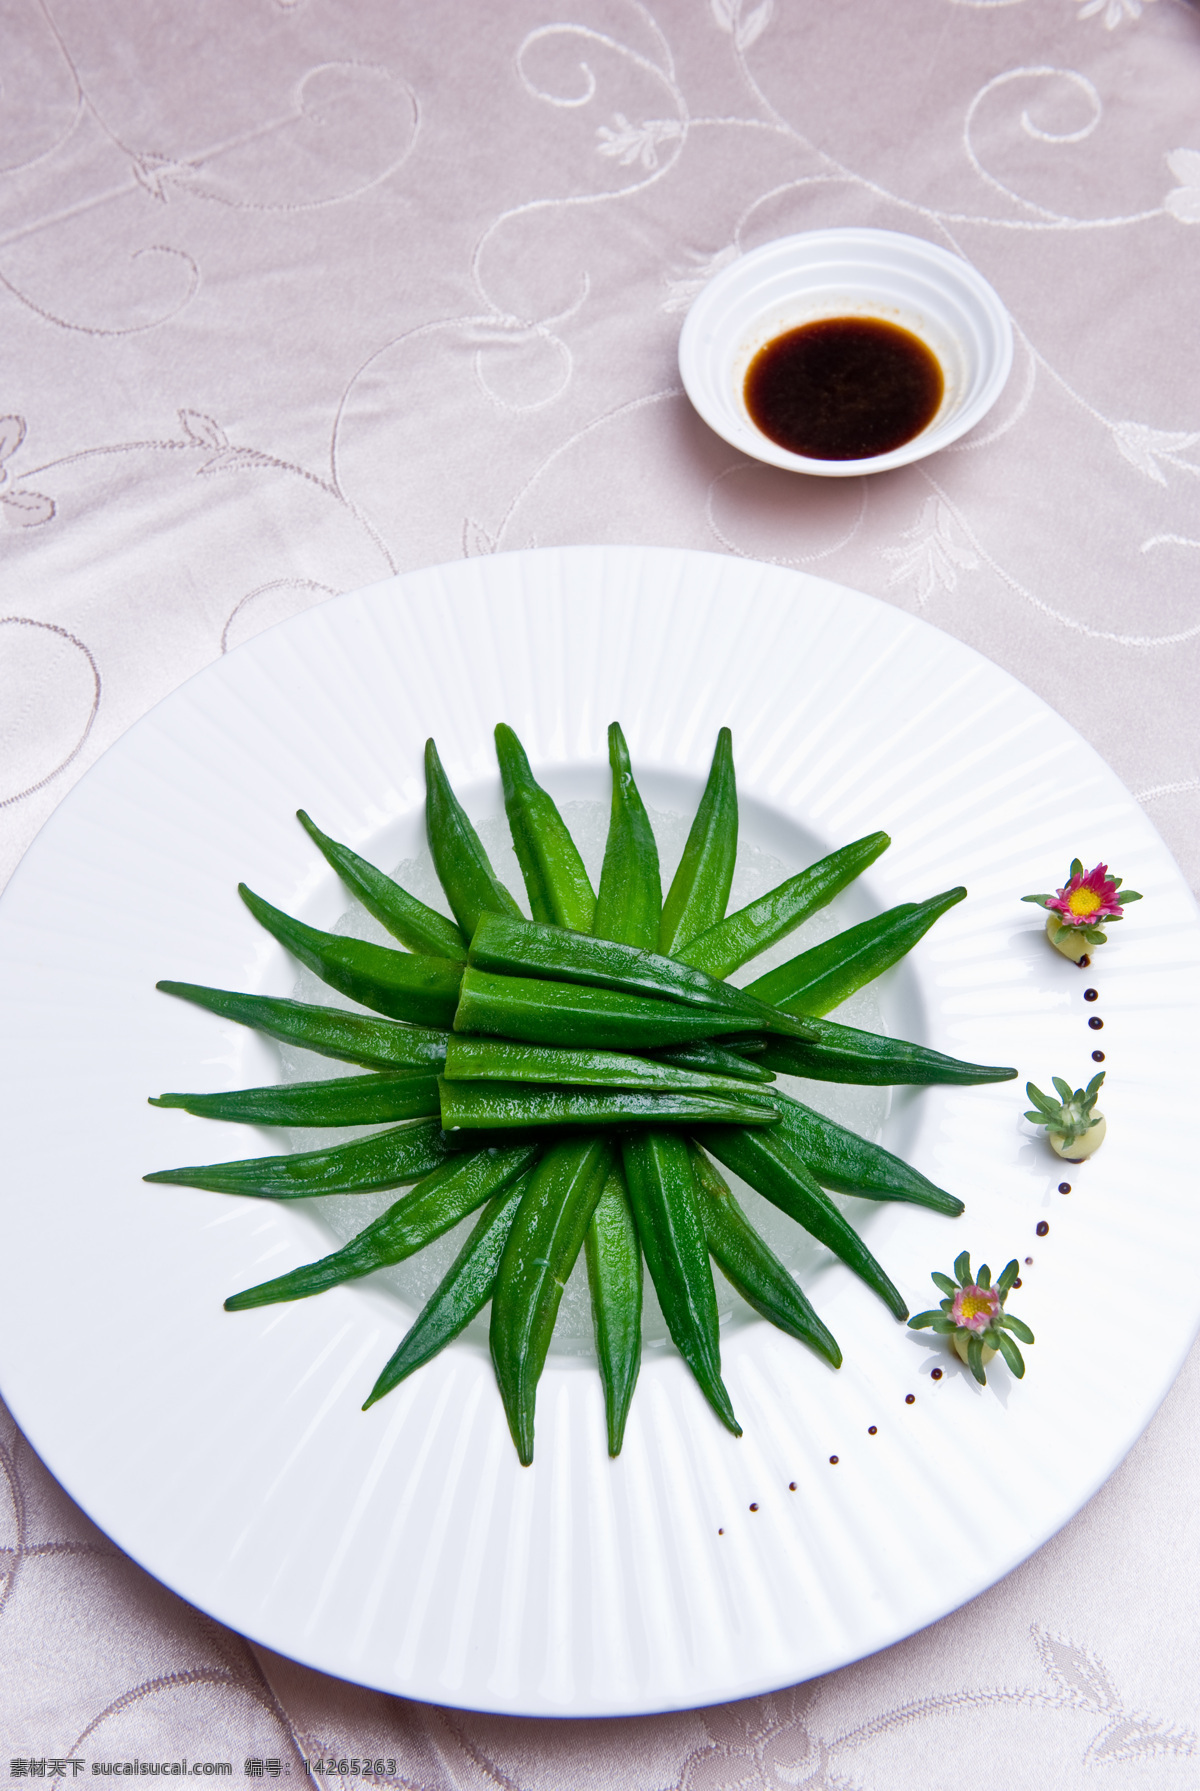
[[1076, 911], [1089, 897], [973, 1318], [975, 1307]]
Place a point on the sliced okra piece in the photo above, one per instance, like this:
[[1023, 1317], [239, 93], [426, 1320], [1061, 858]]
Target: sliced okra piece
[[741, 936], [752, 1267], [364, 1039], [738, 1057], [499, 1060], [845, 1054], [413, 923], [629, 901], [538, 1012], [817, 980], [543, 1244], [463, 1291], [434, 1206], [382, 1160], [658, 1175], [380, 1099], [556, 882], [500, 1106], [463, 867], [700, 887], [614, 1265], [404, 985], [772, 1167], [520, 947], [840, 1159]]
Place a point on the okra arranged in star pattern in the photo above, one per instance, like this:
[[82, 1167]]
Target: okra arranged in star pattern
[[560, 1086]]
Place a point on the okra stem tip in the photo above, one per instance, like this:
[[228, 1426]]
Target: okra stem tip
[[382, 1387], [717, 1394]]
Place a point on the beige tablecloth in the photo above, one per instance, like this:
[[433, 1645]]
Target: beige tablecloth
[[295, 294]]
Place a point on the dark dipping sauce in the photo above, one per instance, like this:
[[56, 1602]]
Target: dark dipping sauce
[[843, 388]]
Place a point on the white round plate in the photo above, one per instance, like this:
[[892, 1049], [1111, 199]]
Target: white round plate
[[405, 1548], [846, 272]]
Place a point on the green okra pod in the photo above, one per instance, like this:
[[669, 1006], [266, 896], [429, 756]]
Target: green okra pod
[[662, 1193], [434, 1206], [550, 1013], [840, 1159], [463, 867], [558, 886], [331, 1031], [546, 1238], [413, 923], [741, 936], [382, 1160], [402, 984], [463, 1291], [519, 947], [752, 1267], [342, 1101], [504, 1106], [819, 979], [700, 887], [614, 1266], [738, 1057], [770, 1165], [629, 901], [844, 1054], [471, 1059]]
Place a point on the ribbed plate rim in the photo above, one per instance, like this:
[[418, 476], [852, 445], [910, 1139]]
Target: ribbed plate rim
[[34, 1408]]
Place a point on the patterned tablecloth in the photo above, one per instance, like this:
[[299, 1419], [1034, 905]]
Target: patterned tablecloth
[[297, 294]]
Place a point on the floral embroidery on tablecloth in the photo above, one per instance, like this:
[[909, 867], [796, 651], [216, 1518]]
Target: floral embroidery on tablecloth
[[1115, 12], [769, 1744], [683, 283], [628, 143], [1126, 1734], [935, 553], [24, 507], [744, 27], [760, 1744], [1150, 449]]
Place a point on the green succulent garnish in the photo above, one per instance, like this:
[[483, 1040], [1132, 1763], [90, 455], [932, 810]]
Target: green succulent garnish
[[1072, 1114], [973, 1310]]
